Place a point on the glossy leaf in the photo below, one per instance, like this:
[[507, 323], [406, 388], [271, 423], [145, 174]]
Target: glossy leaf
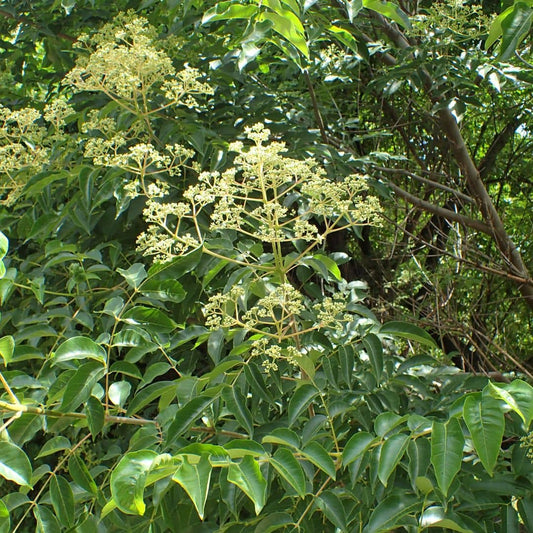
[[389, 10], [390, 513], [62, 499], [80, 474], [81, 384], [485, 421], [148, 394], [128, 479], [5, 522], [356, 446], [14, 464], [515, 26], [7, 347], [518, 395], [283, 436], [150, 318], [331, 505], [248, 477], [77, 348], [134, 275], [46, 520], [195, 479], [94, 411], [391, 454], [374, 349], [317, 454], [187, 415], [54, 445], [236, 404], [300, 400], [447, 444], [289, 469], [408, 331], [166, 290]]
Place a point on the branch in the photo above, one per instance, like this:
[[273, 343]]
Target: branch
[[440, 211], [20, 408], [468, 168], [429, 182]]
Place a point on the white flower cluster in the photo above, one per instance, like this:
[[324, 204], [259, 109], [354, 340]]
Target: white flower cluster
[[127, 62]]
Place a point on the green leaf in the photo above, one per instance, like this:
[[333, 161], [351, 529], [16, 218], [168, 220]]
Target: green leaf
[[80, 474], [46, 520], [391, 454], [5, 522], [81, 384], [356, 446], [240, 447], [300, 401], [128, 480], [330, 504], [419, 452], [149, 394], [435, 516], [14, 464], [521, 400], [352, 8], [290, 470], [317, 454], [274, 522], [283, 436], [7, 347], [194, 479], [288, 25], [236, 404], [387, 421], [485, 420], [257, 383], [447, 444], [374, 349], [134, 275], [119, 392], [389, 10], [166, 290], [4, 245], [407, 331], [248, 477], [515, 27], [187, 415], [150, 318], [62, 499], [54, 445], [229, 10], [79, 348], [391, 512], [94, 410]]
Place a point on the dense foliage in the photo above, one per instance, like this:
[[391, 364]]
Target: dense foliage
[[259, 261]]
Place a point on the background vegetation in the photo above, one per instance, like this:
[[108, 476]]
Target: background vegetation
[[265, 266]]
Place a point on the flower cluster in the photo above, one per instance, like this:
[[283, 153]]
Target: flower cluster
[[25, 144], [127, 63], [266, 196]]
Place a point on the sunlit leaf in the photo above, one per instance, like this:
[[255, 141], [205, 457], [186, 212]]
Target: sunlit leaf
[[14, 464], [77, 348], [128, 479], [447, 444], [248, 477], [195, 479], [485, 421]]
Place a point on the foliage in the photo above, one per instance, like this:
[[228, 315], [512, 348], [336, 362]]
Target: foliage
[[184, 347]]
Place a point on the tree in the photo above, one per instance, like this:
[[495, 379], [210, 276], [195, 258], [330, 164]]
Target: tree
[[190, 199]]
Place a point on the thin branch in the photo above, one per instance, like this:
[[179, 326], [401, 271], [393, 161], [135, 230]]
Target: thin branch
[[427, 181], [20, 408], [441, 211]]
